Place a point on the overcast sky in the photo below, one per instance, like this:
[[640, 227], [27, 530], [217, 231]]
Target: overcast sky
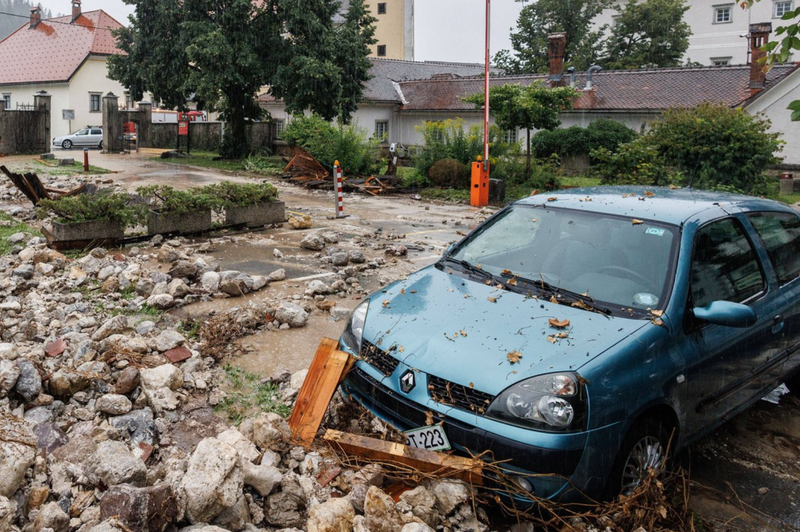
[[445, 30]]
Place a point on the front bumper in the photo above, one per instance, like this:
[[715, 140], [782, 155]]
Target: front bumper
[[548, 469]]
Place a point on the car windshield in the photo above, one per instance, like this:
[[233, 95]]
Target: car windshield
[[617, 261]]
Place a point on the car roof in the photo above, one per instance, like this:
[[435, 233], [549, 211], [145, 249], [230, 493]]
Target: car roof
[[673, 206]]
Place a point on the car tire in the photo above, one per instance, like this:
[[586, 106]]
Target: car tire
[[67, 144], [645, 447], [100, 146]]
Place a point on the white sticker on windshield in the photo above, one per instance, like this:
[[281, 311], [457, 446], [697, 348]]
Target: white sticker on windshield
[[655, 231]]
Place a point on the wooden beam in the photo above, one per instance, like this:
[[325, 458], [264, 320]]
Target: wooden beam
[[444, 465], [326, 372]]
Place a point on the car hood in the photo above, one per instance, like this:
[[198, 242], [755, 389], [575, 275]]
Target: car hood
[[463, 330]]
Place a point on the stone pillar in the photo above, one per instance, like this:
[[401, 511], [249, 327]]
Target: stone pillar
[[43, 105], [112, 124], [145, 128], [2, 105]]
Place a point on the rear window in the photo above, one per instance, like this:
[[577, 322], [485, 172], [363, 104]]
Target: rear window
[[780, 233]]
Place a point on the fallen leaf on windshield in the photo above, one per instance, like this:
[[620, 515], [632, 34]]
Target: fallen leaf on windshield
[[673, 187], [488, 282], [636, 222], [402, 290], [534, 191], [559, 324], [534, 220], [462, 333], [512, 282], [553, 300], [506, 272], [514, 356], [581, 305], [428, 418], [500, 287], [491, 299], [551, 339], [552, 199], [386, 303], [648, 194]]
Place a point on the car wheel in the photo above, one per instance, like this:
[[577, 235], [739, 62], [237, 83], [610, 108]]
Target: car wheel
[[67, 144], [644, 448], [100, 146]]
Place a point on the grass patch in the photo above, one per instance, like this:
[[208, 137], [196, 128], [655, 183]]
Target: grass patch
[[255, 164], [9, 227], [190, 328], [75, 168], [446, 194], [249, 396], [579, 181]]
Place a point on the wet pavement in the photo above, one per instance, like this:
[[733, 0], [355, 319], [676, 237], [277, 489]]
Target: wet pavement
[[744, 476]]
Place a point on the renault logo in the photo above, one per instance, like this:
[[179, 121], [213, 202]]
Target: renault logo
[[408, 381]]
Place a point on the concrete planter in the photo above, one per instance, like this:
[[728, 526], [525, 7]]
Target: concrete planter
[[93, 230], [192, 222], [256, 215]]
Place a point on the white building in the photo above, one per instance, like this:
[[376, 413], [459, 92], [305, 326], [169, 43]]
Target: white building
[[720, 28], [66, 57]]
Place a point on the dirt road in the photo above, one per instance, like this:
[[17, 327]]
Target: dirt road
[[745, 475]]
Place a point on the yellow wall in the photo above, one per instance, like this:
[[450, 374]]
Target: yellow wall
[[394, 29]]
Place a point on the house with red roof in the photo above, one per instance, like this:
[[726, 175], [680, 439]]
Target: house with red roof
[[66, 57]]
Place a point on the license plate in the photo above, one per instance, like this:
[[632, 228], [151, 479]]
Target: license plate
[[431, 438]]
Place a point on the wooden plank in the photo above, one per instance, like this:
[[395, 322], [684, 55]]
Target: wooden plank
[[324, 375], [21, 183], [436, 463], [37, 186]]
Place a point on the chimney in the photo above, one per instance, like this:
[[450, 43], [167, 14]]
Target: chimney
[[36, 17], [759, 35], [76, 9], [556, 44]]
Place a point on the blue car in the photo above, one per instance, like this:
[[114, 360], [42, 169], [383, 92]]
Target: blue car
[[582, 337]]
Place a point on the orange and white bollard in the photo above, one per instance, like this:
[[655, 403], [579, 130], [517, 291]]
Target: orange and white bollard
[[86, 159], [337, 179]]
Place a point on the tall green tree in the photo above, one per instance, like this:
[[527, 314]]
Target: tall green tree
[[780, 50], [534, 106], [537, 20], [649, 33], [222, 52]]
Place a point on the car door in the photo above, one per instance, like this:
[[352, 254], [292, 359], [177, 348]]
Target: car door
[[81, 138], [728, 366], [95, 136], [780, 234]]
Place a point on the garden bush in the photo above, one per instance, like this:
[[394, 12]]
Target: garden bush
[[229, 194], [165, 199], [112, 206], [576, 140], [357, 155], [633, 163], [449, 173]]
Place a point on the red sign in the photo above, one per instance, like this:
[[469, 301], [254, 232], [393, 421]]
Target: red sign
[[183, 128]]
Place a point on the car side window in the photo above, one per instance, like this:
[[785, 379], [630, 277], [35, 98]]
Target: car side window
[[780, 232], [83, 132], [97, 132], [724, 265]]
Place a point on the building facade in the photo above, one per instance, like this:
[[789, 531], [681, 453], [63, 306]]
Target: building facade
[[394, 28]]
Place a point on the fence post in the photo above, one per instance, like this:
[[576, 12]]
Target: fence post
[[337, 180]]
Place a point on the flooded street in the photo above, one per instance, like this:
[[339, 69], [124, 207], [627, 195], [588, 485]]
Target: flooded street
[[744, 476]]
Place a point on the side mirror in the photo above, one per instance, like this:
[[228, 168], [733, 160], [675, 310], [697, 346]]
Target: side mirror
[[726, 313]]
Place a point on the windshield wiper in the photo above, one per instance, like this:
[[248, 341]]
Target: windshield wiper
[[584, 300], [470, 268]]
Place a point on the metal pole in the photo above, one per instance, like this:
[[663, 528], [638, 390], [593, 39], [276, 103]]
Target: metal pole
[[337, 177], [86, 159], [486, 92]]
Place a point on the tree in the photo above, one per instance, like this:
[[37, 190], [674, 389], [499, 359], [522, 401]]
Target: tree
[[779, 51], [529, 107], [537, 20], [222, 52], [648, 34]]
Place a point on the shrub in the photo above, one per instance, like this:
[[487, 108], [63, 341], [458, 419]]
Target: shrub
[[581, 141], [165, 199], [633, 163], [112, 206], [608, 134], [449, 173], [447, 139], [717, 147], [328, 143], [229, 194]]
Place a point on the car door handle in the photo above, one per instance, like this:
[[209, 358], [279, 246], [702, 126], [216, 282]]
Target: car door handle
[[777, 319], [777, 324]]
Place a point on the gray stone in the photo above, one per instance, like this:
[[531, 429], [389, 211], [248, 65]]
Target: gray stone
[[236, 286], [152, 509], [8, 511], [113, 404], [17, 238], [259, 282], [380, 512], [162, 399], [138, 425], [145, 328], [277, 275], [334, 515], [161, 301], [318, 287], [213, 481], [261, 478], [416, 527], [8, 351], [340, 313], [183, 268], [51, 516], [116, 325], [49, 437], [356, 257], [235, 518], [270, 430], [246, 449], [169, 339], [17, 453], [313, 242], [340, 258], [113, 463], [64, 383], [210, 281], [449, 494], [178, 288], [127, 381], [292, 314], [105, 273], [9, 373]]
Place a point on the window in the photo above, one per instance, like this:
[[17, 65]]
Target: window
[[381, 50], [724, 265], [781, 8], [510, 136], [780, 233], [382, 8], [94, 102], [720, 61], [280, 125], [723, 14], [382, 129], [7, 99]]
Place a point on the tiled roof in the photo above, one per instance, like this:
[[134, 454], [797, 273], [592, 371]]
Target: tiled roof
[[56, 48], [387, 71], [623, 90]]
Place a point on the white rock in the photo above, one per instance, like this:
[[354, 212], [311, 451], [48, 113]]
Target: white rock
[[297, 380], [449, 494], [162, 399], [8, 351], [116, 325], [277, 253], [210, 281], [270, 429], [213, 481], [161, 301], [113, 463], [259, 282], [169, 339], [8, 510], [165, 375], [113, 404], [262, 478], [334, 515], [292, 314], [246, 449], [16, 454], [277, 275], [9, 373]]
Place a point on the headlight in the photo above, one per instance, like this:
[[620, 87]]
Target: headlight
[[547, 402], [354, 331]]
